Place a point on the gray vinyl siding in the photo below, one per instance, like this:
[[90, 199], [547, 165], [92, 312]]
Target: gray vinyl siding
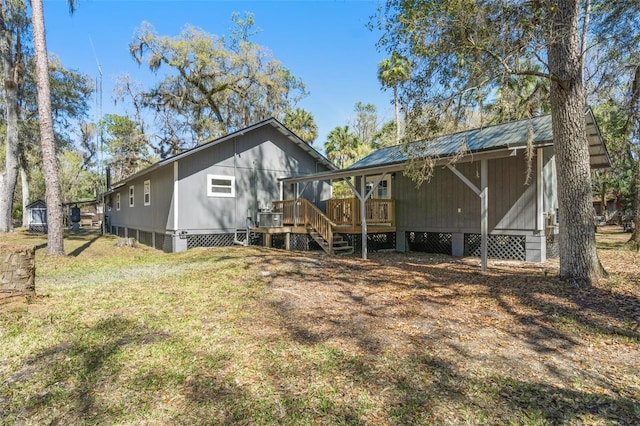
[[550, 181], [257, 158], [512, 200], [433, 207], [446, 204], [154, 217], [261, 157]]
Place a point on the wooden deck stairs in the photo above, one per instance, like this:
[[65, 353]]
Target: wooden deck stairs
[[339, 246], [305, 214]]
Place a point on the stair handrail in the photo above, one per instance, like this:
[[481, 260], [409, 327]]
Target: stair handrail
[[319, 222], [311, 216]]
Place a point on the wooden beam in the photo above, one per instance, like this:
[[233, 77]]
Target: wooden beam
[[295, 201], [484, 212], [540, 190], [353, 189], [399, 167], [363, 216], [483, 193], [363, 206], [464, 179]]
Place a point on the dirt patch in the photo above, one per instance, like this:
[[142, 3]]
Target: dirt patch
[[517, 320]]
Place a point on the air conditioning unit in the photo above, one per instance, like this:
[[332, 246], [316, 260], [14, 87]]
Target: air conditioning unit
[[269, 220]]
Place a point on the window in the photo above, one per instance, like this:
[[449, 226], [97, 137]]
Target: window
[[383, 191], [118, 201], [38, 216], [147, 192], [221, 186], [131, 192]]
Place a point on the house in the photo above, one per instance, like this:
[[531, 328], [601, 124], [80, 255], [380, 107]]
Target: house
[[37, 214], [212, 194], [83, 212], [480, 200]]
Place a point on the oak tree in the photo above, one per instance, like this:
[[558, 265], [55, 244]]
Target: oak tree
[[463, 51]]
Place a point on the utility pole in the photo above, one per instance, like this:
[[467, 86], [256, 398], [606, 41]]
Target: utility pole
[[102, 185]]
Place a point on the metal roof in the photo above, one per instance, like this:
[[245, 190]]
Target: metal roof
[[496, 141], [502, 136]]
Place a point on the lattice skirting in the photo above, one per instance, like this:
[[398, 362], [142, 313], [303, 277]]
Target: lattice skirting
[[498, 246], [157, 240], [209, 240], [375, 242], [163, 242], [278, 241], [553, 247], [160, 241], [118, 230], [303, 242], [220, 240], [146, 238], [430, 242], [38, 229]]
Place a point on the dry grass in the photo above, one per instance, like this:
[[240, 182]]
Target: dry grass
[[254, 336]]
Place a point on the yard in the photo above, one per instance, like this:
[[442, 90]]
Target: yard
[[121, 335]]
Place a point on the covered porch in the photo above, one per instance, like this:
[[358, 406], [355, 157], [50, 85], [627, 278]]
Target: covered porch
[[343, 217], [344, 214], [455, 209]]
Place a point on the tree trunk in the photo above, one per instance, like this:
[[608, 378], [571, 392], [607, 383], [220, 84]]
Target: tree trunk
[[396, 103], [25, 196], [10, 76], [603, 198], [578, 257], [55, 243], [635, 236], [633, 125]]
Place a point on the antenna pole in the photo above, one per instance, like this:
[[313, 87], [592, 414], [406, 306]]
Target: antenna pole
[[102, 186]]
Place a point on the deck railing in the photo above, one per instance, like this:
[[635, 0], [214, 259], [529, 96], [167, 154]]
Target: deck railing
[[346, 211], [304, 213]]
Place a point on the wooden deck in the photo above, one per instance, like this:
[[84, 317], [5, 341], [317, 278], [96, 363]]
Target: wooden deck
[[347, 212], [343, 217]]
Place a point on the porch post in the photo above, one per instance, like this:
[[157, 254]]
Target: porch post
[[540, 191], [295, 201], [295, 206], [363, 215], [484, 212]]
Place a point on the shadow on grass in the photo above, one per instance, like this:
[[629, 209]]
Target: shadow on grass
[[98, 377], [543, 314], [77, 251], [87, 362], [310, 378]]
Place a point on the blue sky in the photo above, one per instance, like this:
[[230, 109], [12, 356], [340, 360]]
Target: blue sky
[[325, 43]]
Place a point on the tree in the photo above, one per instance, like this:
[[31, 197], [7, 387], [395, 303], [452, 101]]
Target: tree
[[617, 182], [216, 85], [301, 123], [55, 241], [387, 135], [392, 72], [341, 146], [13, 26], [519, 97], [69, 99], [365, 124], [127, 145], [617, 87], [461, 59]]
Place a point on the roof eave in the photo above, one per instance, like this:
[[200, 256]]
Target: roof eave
[[272, 121], [399, 166]]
